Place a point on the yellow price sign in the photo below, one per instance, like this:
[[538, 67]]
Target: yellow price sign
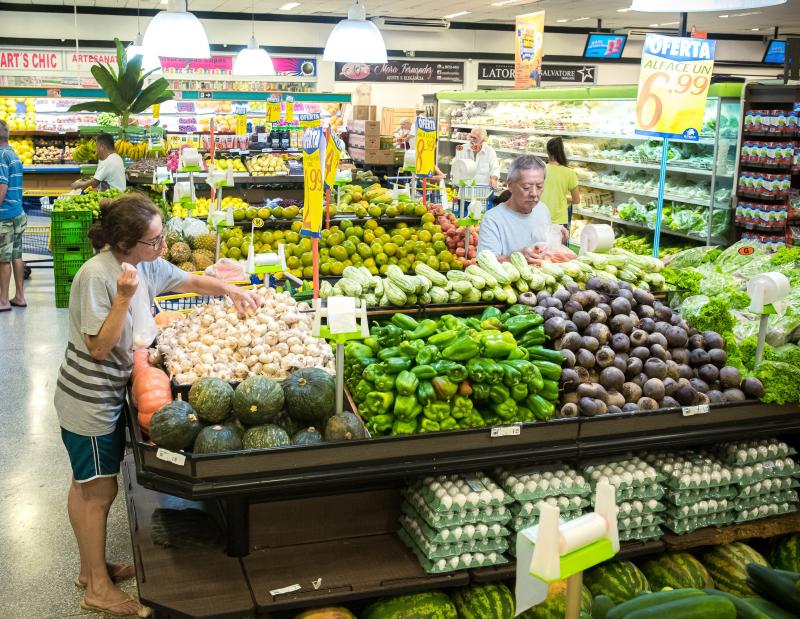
[[314, 182], [288, 106], [273, 109], [241, 120], [156, 111], [673, 86], [309, 121], [426, 146], [333, 152], [258, 222]]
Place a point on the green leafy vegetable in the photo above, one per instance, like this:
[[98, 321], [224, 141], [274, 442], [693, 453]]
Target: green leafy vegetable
[[781, 381]]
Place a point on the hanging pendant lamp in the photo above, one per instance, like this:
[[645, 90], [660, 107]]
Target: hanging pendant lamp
[[253, 60], [150, 62], [176, 33], [355, 39]]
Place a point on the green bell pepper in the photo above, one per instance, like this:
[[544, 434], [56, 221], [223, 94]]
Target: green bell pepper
[[385, 382], [373, 344], [491, 419], [492, 324], [392, 351], [462, 349], [499, 394], [526, 369], [380, 424], [379, 402], [511, 375], [548, 370], [540, 353], [404, 427], [425, 392], [429, 426], [549, 390], [519, 392], [473, 323], [406, 383], [541, 408], [443, 339], [480, 391], [354, 350], [534, 337], [448, 424], [490, 312], [411, 348], [424, 372], [535, 383], [518, 309], [406, 407], [389, 335], [462, 407], [424, 330], [428, 354], [405, 322], [454, 371], [450, 322], [395, 365], [495, 372], [518, 353], [436, 411], [506, 410], [372, 372], [445, 388], [524, 413], [521, 324], [478, 369], [362, 389], [497, 344]]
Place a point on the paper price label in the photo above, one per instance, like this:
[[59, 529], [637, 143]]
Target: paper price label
[[700, 409], [258, 222], [475, 484], [333, 152], [285, 590], [673, 86], [499, 431], [309, 121], [273, 109], [313, 149], [426, 146], [288, 110], [171, 456]]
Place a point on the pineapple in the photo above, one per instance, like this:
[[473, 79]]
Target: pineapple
[[180, 252], [207, 242], [173, 237], [187, 266], [202, 259]]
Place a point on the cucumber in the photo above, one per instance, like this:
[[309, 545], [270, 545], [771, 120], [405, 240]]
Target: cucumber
[[773, 611], [775, 587], [601, 605], [707, 607], [651, 599], [744, 610]]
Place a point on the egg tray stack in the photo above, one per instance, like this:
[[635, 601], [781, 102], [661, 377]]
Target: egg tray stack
[[556, 484], [699, 490], [456, 522], [766, 477], [638, 493]]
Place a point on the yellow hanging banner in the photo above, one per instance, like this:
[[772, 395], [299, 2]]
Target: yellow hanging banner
[[156, 111], [309, 121], [241, 120], [426, 146], [313, 177], [673, 86], [288, 107], [528, 46], [273, 109], [333, 152]]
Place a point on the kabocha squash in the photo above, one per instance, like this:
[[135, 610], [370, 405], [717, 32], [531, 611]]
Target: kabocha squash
[[257, 400], [310, 395], [326, 613], [309, 436], [216, 439], [211, 398], [234, 424], [291, 426], [344, 426], [492, 601], [265, 437], [151, 391], [175, 426], [555, 605]]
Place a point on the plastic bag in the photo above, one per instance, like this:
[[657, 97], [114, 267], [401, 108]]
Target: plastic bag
[[228, 270], [692, 257]]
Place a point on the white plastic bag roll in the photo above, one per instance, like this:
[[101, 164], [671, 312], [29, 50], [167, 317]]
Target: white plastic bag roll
[[463, 170], [767, 289], [596, 237]]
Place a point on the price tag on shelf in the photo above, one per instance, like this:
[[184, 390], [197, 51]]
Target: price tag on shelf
[[170, 456], [426, 146], [273, 109], [673, 86], [500, 431], [285, 590], [288, 109], [313, 153], [699, 409], [333, 152]]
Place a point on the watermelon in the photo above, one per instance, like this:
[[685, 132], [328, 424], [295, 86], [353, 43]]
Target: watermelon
[[174, 426], [310, 395], [265, 437], [309, 436], [492, 601], [555, 606], [257, 400], [427, 605], [211, 398], [344, 426], [727, 565], [326, 613], [784, 553], [677, 570], [619, 580], [216, 439]]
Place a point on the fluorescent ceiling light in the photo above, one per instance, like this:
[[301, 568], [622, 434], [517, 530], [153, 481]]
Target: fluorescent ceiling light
[[755, 29], [507, 2], [355, 39], [623, 10], [724, 16], [652, 25], [289, 6], [698, 6], [176, 33], [746, 14], [671, 23], [562, 21], [581, 19], [459, 14]]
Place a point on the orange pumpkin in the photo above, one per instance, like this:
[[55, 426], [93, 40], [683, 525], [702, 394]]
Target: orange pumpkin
[[326, 613], [151, 391], [140, 362], [166, 318]]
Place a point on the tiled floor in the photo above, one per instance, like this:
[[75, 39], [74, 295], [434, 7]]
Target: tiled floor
[[38, 553]]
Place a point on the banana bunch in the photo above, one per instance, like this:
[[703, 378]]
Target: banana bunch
[[84, 152], [131, 151]]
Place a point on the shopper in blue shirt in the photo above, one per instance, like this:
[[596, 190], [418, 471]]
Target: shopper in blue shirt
[[12, 224]]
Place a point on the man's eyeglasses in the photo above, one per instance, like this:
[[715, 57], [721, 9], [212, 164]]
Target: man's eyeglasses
[[155, 243]]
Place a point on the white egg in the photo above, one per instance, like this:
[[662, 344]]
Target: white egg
[[630, 467], [444, 533], [447, 502], [568, 483], [440, 493], [530, 486], [625, 508], [555, 483], [488, 511], [667, 468], [580, 481], [725, 474], [595, 475], [603, 479], [519, 487], [452, 491], [495, 528], [608, 470], [560, 474], [716, 477], [652, 504], [627, 478], [716, 466], [454, 562], [748, 471], [472, 498], [469, 531], [544, 485], [712, 505], [441, 564], [486, 496], [498, 495], [778, 464], [460, 500], [457, 532], [563, 502]]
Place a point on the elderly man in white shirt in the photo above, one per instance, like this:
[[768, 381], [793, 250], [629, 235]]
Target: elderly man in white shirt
[[486, 163]]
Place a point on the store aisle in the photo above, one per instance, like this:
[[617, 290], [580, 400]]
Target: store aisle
[[37, 549]]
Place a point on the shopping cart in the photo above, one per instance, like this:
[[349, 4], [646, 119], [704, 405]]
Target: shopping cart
[[412, 186], [186, 302], [472, 199], [36, 237]]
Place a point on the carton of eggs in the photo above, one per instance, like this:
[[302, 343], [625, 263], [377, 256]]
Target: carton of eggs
[[535, 484], [623, 474], [456, 493], [740, 453]]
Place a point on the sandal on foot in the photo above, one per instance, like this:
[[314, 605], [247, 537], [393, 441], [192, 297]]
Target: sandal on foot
[[18, 304], [117, 571], [143, 611]]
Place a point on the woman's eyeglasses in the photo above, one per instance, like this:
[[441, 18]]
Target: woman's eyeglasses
[[155, 243]]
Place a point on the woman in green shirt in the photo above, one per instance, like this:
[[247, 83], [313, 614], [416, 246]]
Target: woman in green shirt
[[559, 181]]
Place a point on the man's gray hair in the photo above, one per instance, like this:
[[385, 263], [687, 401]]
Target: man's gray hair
[[480, 132], [4, 133], [525, 162]]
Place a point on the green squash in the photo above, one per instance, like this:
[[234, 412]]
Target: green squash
[[211, 398], [266, 436], [216, 439], [291, 426], [309, 436], [344, 426], [310, 395], [257, 400], [174, 426]]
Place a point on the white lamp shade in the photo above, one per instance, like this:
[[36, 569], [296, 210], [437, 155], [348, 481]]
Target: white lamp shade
[[355, 39], [253, 60], [175, 33], [150, 62], [698, 6]]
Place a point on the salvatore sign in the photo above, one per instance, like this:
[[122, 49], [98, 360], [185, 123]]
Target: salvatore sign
[[565, 73], [419, 71]]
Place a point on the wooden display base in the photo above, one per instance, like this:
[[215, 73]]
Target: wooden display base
[[711, 536]]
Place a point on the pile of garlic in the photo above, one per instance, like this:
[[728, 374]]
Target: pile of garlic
[[212, 340]]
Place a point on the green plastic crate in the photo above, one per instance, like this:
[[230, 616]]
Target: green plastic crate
[[63, 286], [70, 229], [66, 263]]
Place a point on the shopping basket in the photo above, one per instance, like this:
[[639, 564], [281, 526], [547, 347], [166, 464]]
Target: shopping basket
[[186, 302], [468, 197]]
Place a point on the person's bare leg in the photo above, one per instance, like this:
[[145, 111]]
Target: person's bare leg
[[18, 266], [5, 282], [88, 505]]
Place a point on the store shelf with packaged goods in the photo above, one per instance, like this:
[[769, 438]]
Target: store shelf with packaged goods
[[649, 194]]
